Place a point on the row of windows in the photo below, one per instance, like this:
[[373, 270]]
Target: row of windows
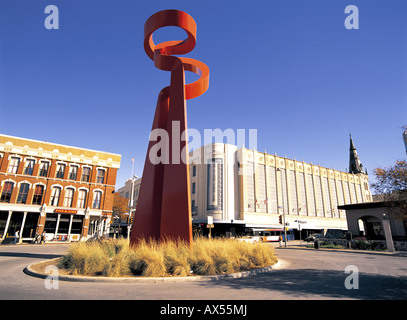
[[55, 195], [60, 171]]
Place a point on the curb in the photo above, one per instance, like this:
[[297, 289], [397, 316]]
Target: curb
[[29, 271]]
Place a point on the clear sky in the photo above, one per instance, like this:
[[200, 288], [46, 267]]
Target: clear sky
[[289, 69]]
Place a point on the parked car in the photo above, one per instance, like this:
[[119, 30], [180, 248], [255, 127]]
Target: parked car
[[252, 239], [312, 237]]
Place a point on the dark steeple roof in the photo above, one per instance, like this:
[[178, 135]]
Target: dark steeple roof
[[355, 166]]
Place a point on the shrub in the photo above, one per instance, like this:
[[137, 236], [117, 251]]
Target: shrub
[[115, 258]]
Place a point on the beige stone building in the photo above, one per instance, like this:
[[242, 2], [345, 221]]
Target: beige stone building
[[244, 189]]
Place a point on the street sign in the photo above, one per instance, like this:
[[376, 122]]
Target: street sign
[[301, 221], [210, 219]]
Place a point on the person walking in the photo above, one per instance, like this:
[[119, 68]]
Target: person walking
[[16, 237], [43, 237], [37, 238]]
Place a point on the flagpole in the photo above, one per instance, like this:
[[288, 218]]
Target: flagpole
[[131, 199]]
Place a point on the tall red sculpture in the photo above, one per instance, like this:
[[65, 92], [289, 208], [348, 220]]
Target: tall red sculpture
[[163, 207]]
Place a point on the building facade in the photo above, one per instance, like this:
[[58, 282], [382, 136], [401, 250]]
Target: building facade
[[62, 190], [131, 186], [244, 189]]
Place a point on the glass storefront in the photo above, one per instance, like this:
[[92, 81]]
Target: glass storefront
[[67, 224]]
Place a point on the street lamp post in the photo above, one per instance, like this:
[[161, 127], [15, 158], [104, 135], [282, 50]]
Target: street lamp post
[[133, 178]]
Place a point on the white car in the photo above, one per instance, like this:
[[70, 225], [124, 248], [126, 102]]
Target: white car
[[252, 239]]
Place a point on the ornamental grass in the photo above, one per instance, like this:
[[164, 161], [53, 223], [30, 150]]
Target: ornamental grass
[[114, 258]]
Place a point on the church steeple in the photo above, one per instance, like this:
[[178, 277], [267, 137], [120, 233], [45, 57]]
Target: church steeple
[[355, 166]]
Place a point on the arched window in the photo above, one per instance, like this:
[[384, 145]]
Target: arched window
[[85, 174], [7, 191], [73, 172], [60, 170], [44, 167], [97, 197], [13, 165], [23, 193], [38, 194], [69, 192], [100, 177], [55, 194], [29, 167], [82, 193]]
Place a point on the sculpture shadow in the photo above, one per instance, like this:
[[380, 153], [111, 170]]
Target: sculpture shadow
[[30, 255], [320, 284]]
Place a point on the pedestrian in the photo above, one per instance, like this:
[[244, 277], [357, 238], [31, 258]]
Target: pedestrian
[[16, 236], [36, 237], [280, 239], [43, 237]]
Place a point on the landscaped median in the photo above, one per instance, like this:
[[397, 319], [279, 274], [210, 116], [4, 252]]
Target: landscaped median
[[114, 259]]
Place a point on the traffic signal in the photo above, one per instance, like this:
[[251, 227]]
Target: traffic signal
[[280, 219]]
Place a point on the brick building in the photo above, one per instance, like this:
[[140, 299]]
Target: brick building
[[66, 191]]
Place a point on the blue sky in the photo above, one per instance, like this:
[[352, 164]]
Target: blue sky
[[289, 69]]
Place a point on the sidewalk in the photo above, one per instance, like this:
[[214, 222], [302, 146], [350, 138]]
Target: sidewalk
[[295, 244]]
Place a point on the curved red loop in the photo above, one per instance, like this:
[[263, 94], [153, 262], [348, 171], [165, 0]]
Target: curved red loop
[[163, 54]]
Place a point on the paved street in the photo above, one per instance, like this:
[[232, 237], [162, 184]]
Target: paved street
[[307, 274]]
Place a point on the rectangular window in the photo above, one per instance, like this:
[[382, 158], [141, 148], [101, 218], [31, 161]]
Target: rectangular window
[[29, 167], [60, 171], [318, 196], [13, 165], [81, 198], [341, 200], [85, 174], [100, 176], [248, 171], [311, 195], [7, 191], [56, 192], [23, 193], [347, 192], [68, 197], [284, 191], [44, 167], [260, 177], [272, 190], [215, 184], [334, 198], [193, 171], [193, 188], [50, 223], [325, 192], [73, 172], [38, 194], [303, 196], [293, 192]]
